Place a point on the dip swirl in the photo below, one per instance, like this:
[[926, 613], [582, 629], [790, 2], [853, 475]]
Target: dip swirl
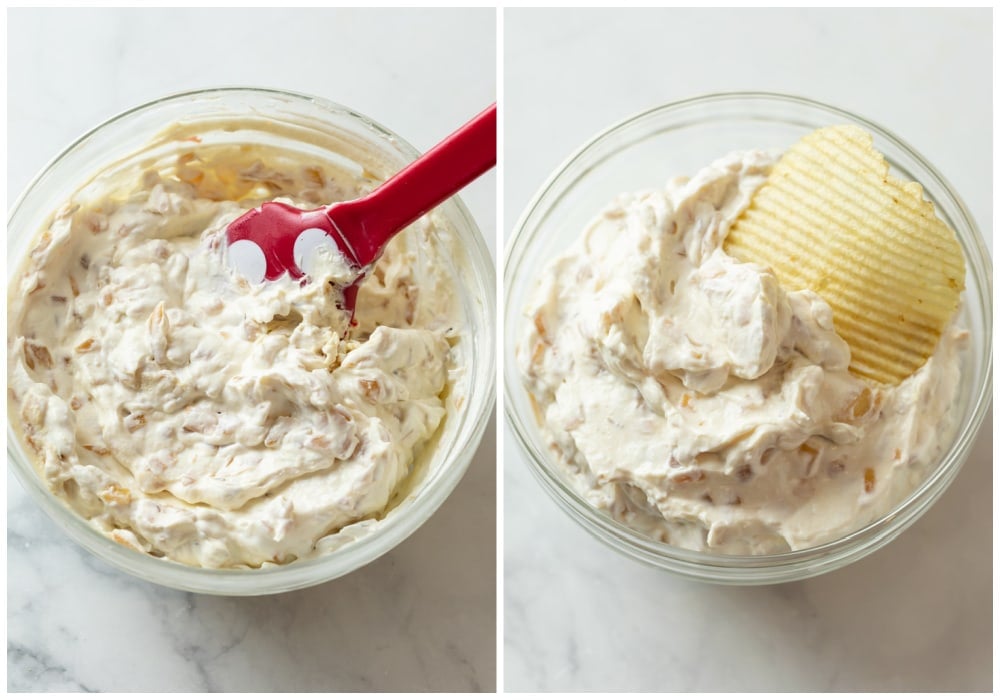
[[193, 416], [692, 398]]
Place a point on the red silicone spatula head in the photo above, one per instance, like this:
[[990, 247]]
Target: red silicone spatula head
[[275, 238]]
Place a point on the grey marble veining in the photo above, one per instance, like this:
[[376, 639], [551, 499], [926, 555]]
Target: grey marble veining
[[914, 616], [421, 618]]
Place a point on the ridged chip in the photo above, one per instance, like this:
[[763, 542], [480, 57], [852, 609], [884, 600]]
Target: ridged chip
[[830, 218]]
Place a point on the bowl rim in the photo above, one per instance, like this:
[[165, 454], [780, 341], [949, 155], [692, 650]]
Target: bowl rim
[[354, 554], [767, 568]]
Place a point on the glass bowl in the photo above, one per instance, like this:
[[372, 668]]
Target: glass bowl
[[312, 127], [680, 138]]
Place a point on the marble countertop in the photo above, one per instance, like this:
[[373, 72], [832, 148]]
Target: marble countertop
[[421, 618], [914, 616]]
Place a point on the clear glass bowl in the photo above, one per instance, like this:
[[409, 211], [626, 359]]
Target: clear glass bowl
[[644, 151], [315, 128]]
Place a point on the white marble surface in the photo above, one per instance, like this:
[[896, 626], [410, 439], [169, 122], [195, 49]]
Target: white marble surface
[[420, 618], [915, 615]]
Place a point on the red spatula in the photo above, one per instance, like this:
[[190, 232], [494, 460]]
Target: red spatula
[[275, 238]]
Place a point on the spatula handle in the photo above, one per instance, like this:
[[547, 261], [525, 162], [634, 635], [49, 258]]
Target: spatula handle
[[422, 185]]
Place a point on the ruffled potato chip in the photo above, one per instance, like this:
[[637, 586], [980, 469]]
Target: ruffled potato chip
[[830, 218]]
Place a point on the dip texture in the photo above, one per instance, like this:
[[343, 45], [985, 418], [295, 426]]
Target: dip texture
[[692, 398], [196, 417]]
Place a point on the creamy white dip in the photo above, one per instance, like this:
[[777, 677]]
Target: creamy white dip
[[194, 416], [692, 398]]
